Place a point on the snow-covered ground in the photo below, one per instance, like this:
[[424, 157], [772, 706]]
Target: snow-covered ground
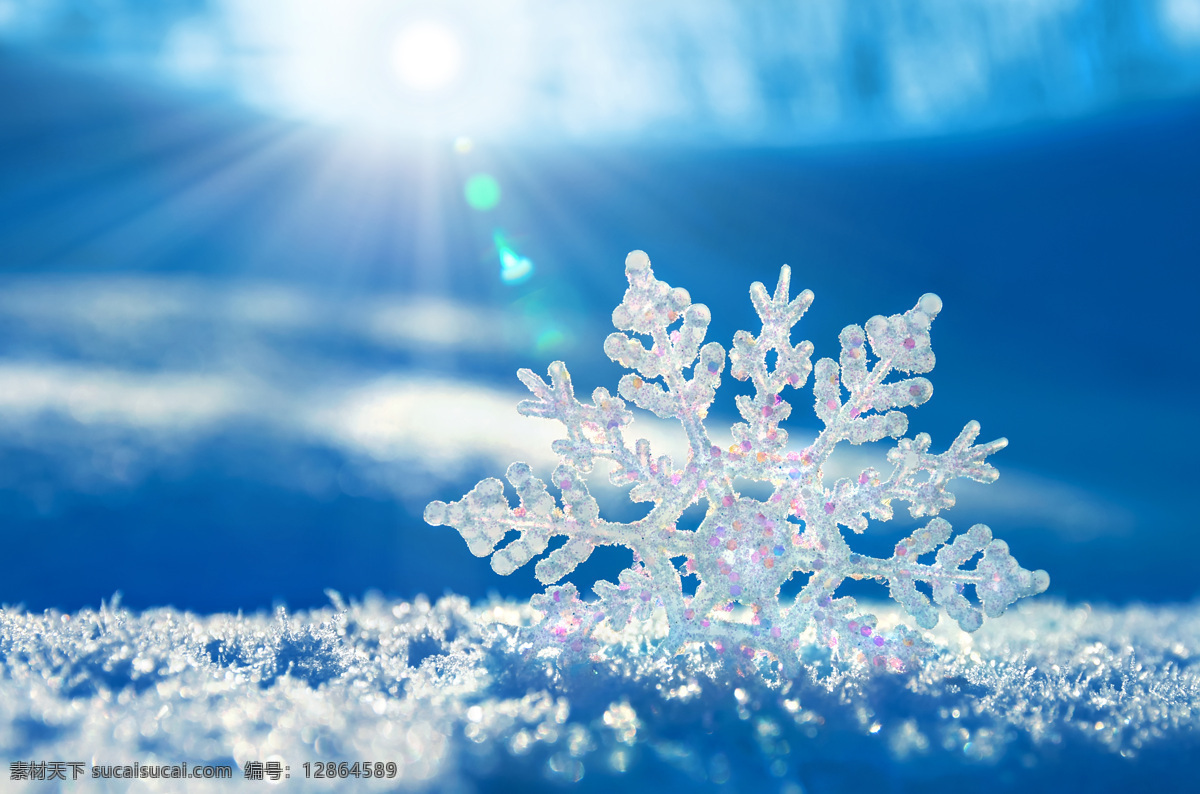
[[1082, 698]]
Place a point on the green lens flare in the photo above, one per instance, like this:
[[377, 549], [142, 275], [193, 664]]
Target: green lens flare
[[514, 268], [482, 192], [549, 339]]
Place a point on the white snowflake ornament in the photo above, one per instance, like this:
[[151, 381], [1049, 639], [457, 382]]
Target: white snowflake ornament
[[745, 549]]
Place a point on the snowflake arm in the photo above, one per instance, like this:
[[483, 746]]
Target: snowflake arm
[[483, 517], [650, 307], [593, 431], [760, 437]]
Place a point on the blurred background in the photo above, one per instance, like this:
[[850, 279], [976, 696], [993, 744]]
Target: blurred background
[[268, 267]]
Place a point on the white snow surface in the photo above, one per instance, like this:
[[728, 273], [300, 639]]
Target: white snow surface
[[447, 692]]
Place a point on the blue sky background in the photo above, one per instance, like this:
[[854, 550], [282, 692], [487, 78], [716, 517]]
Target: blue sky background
[[250, 323]]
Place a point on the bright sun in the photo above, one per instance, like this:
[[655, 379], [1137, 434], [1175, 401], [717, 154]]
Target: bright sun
[[427, 56]]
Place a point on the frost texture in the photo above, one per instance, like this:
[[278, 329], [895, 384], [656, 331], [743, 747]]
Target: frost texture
[[1055, 698], [745, 549]]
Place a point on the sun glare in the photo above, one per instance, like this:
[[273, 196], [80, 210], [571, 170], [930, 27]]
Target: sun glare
[[427, 56]]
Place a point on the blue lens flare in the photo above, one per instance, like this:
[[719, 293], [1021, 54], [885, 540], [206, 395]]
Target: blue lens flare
[[514, 268]]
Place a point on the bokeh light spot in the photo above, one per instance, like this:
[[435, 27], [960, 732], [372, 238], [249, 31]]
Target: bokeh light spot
[[549, 339], [482, 192], [463, 144], [427, 56], [514, 268]]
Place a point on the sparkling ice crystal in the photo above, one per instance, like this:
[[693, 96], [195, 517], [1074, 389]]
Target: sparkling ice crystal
[[745, 549]]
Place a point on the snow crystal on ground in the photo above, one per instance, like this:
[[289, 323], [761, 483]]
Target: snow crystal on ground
[[1054, 695]]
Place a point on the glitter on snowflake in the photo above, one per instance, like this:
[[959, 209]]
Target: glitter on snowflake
[[745, 549]]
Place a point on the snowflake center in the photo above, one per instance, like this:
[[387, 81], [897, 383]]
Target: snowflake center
[[743, 551]]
